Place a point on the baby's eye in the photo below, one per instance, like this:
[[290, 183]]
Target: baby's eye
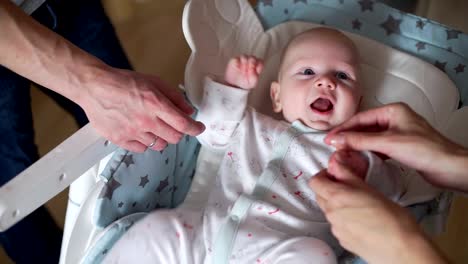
[[308, 72], [341, 75]]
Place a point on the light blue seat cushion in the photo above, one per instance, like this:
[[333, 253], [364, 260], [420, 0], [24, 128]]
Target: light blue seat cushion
[[109, 236], [142, 182], [138, 183], [433, 42]]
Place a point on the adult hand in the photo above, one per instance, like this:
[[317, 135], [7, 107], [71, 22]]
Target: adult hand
[[130, 109], [398, 132], [365, 222], [135, 110]]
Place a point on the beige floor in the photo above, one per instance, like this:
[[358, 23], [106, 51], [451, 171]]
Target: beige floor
[[143, 27]]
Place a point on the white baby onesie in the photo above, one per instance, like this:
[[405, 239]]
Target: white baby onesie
[[284, 226]]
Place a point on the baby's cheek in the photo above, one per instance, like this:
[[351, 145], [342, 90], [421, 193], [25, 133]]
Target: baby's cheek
[[348, 104], [344, 113]]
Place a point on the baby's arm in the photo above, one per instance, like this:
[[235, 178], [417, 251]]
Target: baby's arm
[[384, 176], [224, 102], [397, 182]]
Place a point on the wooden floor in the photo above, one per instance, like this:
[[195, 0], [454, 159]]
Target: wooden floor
[[142, 26]]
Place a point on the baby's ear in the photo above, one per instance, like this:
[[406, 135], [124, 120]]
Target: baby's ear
[[275, 97]]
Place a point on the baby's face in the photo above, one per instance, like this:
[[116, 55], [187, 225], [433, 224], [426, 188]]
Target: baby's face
[[318, 80]]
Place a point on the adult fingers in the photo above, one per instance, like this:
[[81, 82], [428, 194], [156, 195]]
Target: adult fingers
[[351, 192], [164, 131], [338, 167], [147, 138], [159, 144], [382, 142], [373, 117], [134, 146], [152, 141], [322, 203], [380, 119], [175, 96], [324, 186], [180, 121]]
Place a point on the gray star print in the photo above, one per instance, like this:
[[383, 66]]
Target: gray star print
[[460, 68], [163, 184], [452, 34], [391, 25], [128, 160], [356, 24], [109, 189], [420, 24], [420, 45], [143, 181], [440, 65]]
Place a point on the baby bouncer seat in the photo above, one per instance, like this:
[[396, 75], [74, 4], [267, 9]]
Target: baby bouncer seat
[[404, 58]]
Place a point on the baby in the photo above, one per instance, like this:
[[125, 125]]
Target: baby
[[260, 209]]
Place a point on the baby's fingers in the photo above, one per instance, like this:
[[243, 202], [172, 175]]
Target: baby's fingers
[[259, 67]]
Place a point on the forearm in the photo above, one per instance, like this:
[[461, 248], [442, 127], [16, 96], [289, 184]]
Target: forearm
[[222, 102], [37, 53], [221, 110]]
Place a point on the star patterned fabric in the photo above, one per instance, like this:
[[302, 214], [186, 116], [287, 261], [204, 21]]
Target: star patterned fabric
[[391, 25]]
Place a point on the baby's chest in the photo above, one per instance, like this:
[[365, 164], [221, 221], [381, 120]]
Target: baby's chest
[[292, 164]]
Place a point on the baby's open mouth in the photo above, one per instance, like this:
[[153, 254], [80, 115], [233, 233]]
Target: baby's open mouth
[[322, 105]]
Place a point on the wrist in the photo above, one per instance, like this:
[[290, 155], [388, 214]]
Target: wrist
[[224, 82], [417, 248], [86, 78], [457, 168]]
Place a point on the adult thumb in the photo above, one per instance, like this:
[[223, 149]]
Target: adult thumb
[[360, 141]]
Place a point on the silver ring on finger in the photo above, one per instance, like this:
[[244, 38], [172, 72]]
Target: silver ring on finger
[[153, 143]]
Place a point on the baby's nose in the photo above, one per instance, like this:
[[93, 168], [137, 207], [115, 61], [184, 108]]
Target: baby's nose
[[325, 82]]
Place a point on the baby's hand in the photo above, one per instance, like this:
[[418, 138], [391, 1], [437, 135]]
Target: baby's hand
[[243, 71], [354, 160]]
